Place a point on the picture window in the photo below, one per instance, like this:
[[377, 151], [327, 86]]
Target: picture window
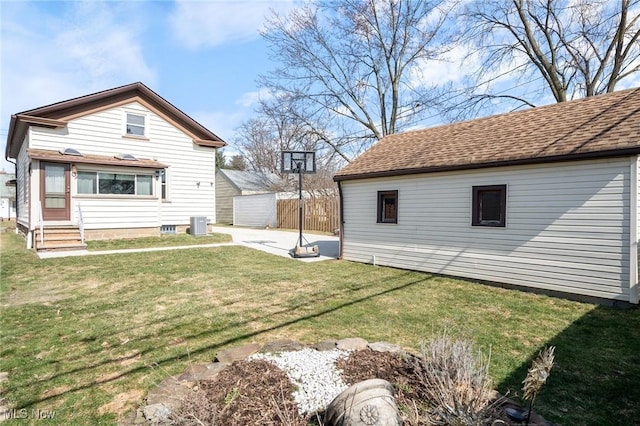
[[114, 183]]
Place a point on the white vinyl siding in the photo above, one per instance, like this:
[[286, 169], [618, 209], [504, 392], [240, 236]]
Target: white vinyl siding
[[191, 178], [22, 186], [258, 210], [567, 226], [118, 212]]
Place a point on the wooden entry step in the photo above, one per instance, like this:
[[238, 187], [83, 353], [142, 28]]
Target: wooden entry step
[[59, 238]]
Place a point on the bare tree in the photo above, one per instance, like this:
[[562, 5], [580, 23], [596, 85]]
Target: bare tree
[[276, 128], [565, 48], [355, 65]]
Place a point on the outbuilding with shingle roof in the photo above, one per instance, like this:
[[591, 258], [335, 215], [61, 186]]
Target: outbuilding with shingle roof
[[545, 198]]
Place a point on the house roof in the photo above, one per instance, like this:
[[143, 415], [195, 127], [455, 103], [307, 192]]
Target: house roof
[[594, 127], [56, 156], [251, 181], [59, 114]]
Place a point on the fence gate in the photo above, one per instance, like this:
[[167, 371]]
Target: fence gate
[[319, 214]]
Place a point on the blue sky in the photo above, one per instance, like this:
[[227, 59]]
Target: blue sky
[[202, 56]]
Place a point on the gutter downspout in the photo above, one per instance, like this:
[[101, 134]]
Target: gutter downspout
[[341, 212]]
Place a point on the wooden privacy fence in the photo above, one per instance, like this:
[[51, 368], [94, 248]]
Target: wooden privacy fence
[[318, 214]]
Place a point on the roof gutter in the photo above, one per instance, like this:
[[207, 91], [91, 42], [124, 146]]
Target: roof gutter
[[517, 162], [341, 216]]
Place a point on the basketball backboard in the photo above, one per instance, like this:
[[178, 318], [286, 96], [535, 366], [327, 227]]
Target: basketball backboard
[[291, 160]]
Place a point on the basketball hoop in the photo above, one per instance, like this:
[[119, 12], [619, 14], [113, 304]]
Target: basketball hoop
[[300, 162], [293, 160]]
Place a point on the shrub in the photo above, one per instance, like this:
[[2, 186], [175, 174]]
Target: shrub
[[454, 380]]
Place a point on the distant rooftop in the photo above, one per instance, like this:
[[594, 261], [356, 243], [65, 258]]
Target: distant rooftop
[[252, 181]]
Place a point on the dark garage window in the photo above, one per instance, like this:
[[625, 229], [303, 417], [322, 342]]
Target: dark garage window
[[387, 207], [489, 205]]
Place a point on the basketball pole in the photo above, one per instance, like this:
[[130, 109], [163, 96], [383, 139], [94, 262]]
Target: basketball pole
[[299, 165], [300, 162]]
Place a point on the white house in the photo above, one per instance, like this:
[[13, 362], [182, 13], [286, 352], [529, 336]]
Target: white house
[[118, 163], [545, 199]]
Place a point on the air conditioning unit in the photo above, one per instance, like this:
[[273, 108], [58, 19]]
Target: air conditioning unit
[[198, 225]]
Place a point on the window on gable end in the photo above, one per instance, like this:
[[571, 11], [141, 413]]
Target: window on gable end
[[135, 125], [387, 207], [489, 205]]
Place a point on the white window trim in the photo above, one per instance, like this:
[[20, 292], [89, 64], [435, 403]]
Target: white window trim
[[134, 172], [167, 199], [146, 124]]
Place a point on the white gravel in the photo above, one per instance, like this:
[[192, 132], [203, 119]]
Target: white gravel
[[313, 372]]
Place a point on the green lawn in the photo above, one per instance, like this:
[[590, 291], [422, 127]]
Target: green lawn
[[162, 241], [88, 337]]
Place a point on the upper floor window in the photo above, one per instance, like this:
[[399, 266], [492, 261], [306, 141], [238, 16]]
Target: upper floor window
[[135, 125], [387, 207], [489, 205]]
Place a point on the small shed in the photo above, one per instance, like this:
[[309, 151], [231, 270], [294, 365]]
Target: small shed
[[7, 195], [233, 183], [543, 199]]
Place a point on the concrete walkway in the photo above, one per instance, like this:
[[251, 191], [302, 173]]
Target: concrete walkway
[[276, 242]]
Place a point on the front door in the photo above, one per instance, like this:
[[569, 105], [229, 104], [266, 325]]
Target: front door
[[55, 191]]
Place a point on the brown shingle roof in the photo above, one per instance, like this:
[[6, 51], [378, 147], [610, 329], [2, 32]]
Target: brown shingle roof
[[600, 126]]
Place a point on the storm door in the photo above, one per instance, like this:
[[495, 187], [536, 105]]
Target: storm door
[[55, 191]]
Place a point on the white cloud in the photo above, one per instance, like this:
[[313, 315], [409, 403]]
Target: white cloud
[[454, 66], [250, 99], [56, 51], [49, 58], [199, 24]]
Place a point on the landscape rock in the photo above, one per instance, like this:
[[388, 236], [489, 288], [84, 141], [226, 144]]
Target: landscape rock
[[237, 354], [170, 392], [195, 373], [156, 413], [278, 346], [325, 345], [367, 403], [352, 344], [385, 347]]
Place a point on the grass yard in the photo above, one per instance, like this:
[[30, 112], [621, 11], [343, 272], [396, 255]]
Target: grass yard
[[162, 241], [88, 337]]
